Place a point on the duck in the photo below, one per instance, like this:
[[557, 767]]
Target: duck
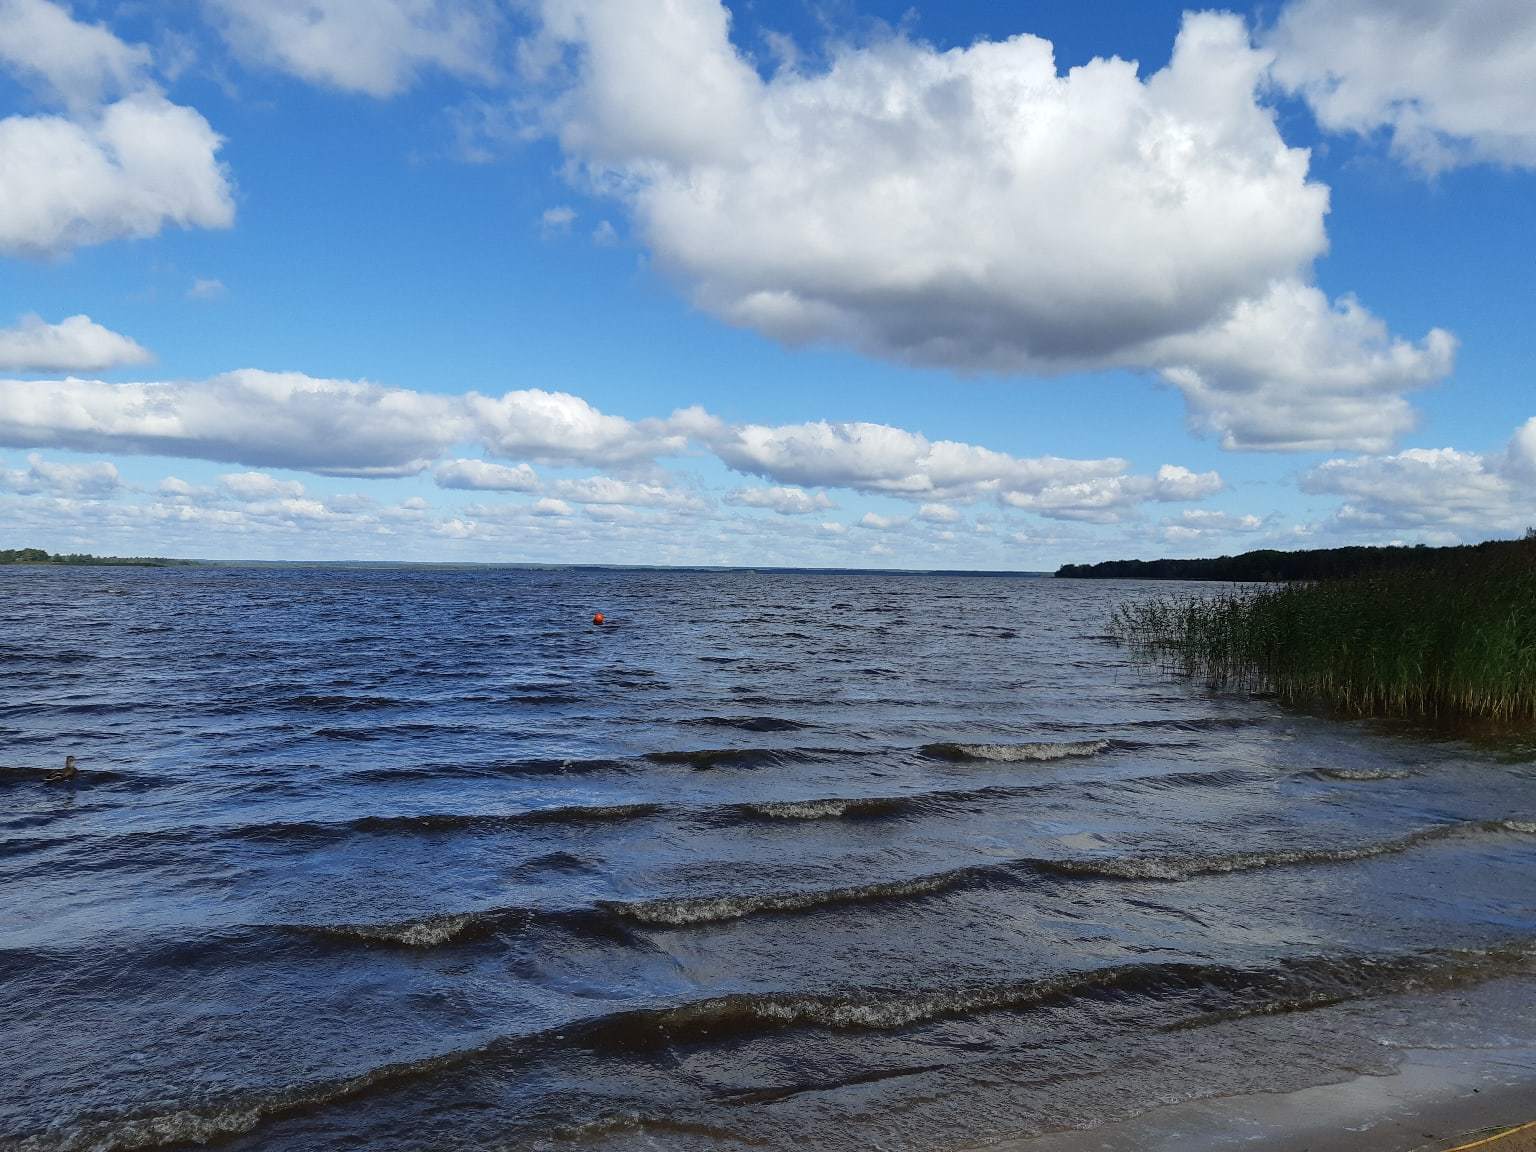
[[68, 772]]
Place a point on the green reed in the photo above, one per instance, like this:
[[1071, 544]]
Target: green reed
[[1455, 639]]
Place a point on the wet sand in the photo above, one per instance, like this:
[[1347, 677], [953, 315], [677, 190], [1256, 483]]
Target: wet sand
[[1436, 1101]]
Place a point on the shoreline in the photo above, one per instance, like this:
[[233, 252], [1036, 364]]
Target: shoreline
[[1436, 1100]]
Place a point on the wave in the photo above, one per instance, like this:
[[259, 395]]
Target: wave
[[704, 758], [214, 1120], [318, 702], [1015, 753], [839, 807], [1186, 866], [1183, 991], [37, 775], [878, 1009], [690, 911], [683, 911], [534, 766], [748, 723], [1363, 773]]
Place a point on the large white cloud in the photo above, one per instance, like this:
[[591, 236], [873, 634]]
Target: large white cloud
[[977, 209], [75, 344], [101, 171], [270, 419], [972, 208], [1288, 371], [371, 46], [1449, 80]]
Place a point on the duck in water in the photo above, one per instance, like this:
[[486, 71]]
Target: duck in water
[[68, 772]]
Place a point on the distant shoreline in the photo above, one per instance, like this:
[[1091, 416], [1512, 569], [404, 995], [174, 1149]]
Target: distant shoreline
[[1268, 565], [38, 558]]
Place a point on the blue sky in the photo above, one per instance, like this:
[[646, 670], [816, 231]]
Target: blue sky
[[845, 283]]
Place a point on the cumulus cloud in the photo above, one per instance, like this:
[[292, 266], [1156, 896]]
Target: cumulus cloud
[[483, 475], [254, 486], [972, 208], [75, 344], [266, 419], [978, 209], [78, 63], [938, 514], [1106, 499], [376, 47], [93, 480], [1443, 492], [101, 171], [206, 289], [559, 428], [1290, 372], [786, 500], [879, 458], [1204, 523], [629, 493], [1448, 80]]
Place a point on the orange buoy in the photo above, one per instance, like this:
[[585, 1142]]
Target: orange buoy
[[597, 618]]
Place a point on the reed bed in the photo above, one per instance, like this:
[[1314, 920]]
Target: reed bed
[[1455, 639]]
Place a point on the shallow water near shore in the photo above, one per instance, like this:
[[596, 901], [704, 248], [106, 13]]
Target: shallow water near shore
[[422, 859]]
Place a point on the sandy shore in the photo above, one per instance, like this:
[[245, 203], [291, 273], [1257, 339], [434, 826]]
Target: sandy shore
[[1437, 1100]]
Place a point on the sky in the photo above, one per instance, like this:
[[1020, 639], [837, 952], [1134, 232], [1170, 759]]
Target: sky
[[841, 283]]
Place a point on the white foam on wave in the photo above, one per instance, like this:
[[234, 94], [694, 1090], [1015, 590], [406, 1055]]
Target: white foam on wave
[[1014, 753]]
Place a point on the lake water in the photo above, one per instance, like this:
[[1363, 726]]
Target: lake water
[[422, 859]]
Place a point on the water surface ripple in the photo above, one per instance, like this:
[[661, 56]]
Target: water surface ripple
[[410, 859]]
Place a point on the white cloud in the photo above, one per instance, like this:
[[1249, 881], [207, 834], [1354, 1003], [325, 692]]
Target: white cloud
[[786, 500], [1522, 449], [557, 219], [559, 428], [1289, 372], [375, 47], [1439, 493], [1203, 524], [270, 419], [976, 209], [103, 171], [481, 474], [549, 506], [356, 428], [1106, 499], [79, 64], [882, 523], [47, 476], [608, 490], [75, 344], [879, 458], [206, 289], [255, 486], [1449, 80], [938, 514], [972, 208]]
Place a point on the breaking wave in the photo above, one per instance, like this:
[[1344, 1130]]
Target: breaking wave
[[1180, 994], [1013, 753]]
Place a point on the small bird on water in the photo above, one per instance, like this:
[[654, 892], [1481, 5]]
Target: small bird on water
[[68, 772]]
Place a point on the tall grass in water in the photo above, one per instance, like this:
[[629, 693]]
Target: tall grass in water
[[1452, 640]]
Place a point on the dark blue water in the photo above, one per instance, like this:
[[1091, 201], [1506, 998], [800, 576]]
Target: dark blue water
[[422, 859]]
